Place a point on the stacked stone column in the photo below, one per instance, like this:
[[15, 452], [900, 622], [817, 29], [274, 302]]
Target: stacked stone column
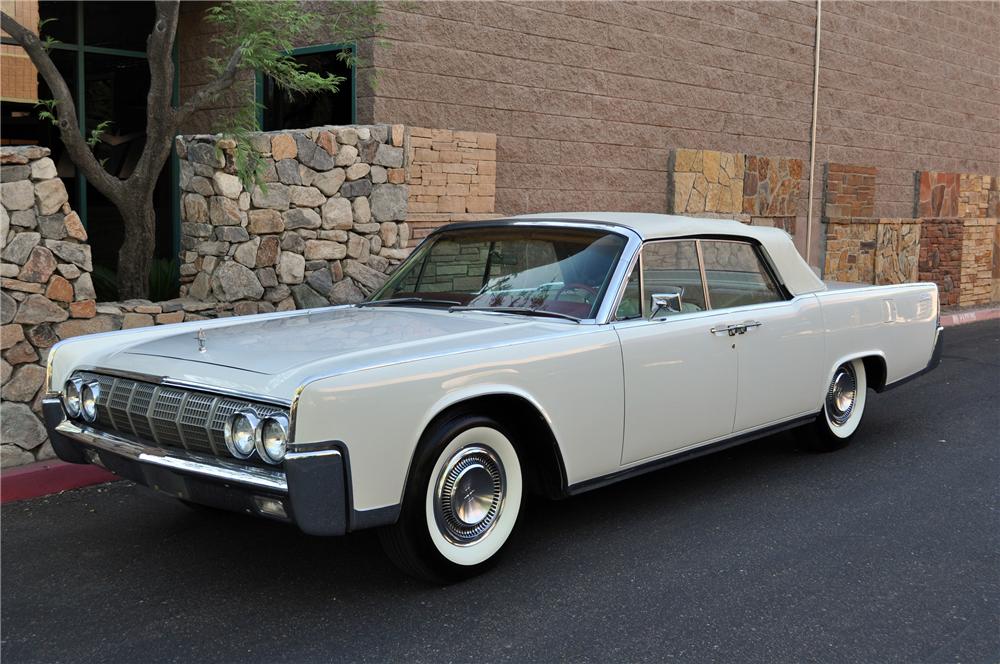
[[47, 291]]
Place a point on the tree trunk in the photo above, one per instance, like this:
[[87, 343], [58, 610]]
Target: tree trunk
[[136, 253]]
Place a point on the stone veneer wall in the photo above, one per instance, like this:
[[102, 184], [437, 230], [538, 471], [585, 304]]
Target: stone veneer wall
[[956, 254], [754, 189], [941, 257], [873, 251], [47, 291], [977, 261], [953, 241], [326, 226], [964, 195], [332, 219]]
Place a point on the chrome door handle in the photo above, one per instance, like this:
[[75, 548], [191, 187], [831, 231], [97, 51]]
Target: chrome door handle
[[736, 328], [731, 330]]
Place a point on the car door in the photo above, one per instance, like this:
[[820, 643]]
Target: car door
[[780, 341], [680, 378]]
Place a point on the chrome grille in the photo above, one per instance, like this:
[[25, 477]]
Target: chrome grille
[[168, 416], [193, 418]]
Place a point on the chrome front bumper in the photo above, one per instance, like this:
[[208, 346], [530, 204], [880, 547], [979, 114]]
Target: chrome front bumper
[[177, 460], [311, 486]]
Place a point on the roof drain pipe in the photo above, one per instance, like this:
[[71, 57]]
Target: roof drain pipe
[[812, 139]]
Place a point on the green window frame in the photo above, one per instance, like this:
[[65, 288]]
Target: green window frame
[[308, 50], [81, 50]]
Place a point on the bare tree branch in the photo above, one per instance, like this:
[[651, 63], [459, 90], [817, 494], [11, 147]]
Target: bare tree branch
[[210, 90], [69, 129], [161, 122]]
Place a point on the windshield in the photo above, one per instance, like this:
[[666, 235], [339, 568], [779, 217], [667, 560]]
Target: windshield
[[558, 270]]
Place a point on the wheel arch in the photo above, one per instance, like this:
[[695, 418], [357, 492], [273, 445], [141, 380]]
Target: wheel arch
[[875, 368], [534, 438]]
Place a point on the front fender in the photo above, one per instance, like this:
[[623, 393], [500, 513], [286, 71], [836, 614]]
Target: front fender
[[381, 413]]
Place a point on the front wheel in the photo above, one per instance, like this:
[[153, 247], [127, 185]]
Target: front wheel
[[843, 408], [461, 501]]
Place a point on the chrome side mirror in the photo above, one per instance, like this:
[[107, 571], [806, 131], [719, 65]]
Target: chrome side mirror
[[669, 301]]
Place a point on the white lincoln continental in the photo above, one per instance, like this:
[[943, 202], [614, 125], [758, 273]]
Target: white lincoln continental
[[550, 353]]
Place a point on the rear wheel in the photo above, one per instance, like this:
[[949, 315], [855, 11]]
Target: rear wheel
[[843, 408], [461, 501]]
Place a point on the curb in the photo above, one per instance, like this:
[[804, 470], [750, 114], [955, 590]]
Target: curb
[[47, 477], [964, 317]]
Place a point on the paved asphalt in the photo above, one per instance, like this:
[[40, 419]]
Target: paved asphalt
[[887, 551]]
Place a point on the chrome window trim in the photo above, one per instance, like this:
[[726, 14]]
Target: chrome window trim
[[704, 277], [177, 460]]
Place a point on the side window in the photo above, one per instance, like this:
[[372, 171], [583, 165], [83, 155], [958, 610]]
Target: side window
[[631, 304], [670, 269], [736, 276]]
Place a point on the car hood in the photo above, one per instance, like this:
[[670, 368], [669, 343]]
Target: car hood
[[325, 342]]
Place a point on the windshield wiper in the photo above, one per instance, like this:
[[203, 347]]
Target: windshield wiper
[[405, 300], [527, 311]]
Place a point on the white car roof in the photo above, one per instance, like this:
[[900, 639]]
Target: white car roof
[[798, 277]]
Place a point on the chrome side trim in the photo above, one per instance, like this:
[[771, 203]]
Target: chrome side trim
[[177, 460], [311, 455]]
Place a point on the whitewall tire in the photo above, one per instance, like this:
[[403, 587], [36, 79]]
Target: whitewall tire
[[473, 496], [843, 407], [461, 503]]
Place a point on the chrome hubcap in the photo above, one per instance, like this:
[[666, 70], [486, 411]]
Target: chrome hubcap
[[469, 495], [841, 397]]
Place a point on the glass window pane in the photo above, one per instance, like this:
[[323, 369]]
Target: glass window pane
[[736, 276], [671, 268], [553, 270], [119, 25], [631, 304], [116, 90], [60, 20], [285, 111]]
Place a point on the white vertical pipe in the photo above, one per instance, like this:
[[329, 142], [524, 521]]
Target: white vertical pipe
[[812, 139]]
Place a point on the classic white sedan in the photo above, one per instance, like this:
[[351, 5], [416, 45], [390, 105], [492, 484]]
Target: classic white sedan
[[546, 353]]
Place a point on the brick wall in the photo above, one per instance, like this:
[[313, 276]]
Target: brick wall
[[451, 177], [849, 191]]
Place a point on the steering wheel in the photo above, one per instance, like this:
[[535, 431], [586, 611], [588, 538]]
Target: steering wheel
[[590, 290]]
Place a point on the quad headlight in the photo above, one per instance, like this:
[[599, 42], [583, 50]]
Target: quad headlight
[[272, 438], [72, 396], [240, 432], [88, 400]]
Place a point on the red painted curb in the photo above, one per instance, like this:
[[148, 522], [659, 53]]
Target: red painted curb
[[963, 317], [48, 477]]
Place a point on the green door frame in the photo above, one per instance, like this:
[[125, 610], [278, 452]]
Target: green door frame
[[306, 50]]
